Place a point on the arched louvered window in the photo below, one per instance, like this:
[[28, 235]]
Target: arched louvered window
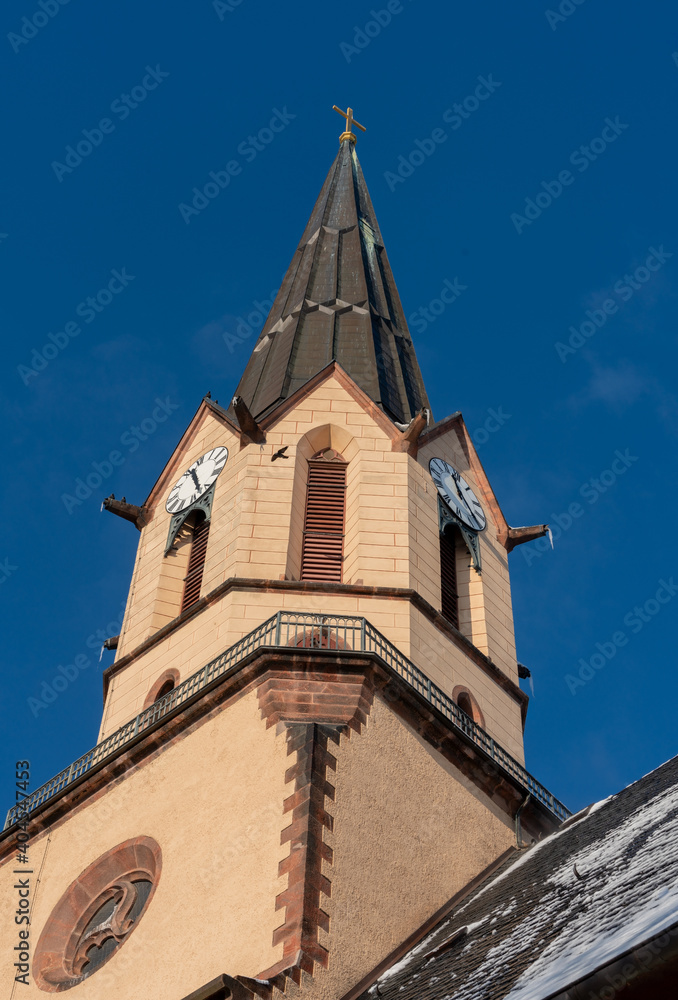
[[196, 565], [323, 544], [448, 576]]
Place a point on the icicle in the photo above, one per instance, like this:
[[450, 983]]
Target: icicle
[[550, 536], [531, 685], [101, 653]]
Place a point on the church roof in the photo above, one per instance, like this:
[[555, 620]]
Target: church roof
[[604, 884], [338, 301]]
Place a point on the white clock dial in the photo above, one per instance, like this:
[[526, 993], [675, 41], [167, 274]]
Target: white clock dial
[[196, 480], [457, 494]]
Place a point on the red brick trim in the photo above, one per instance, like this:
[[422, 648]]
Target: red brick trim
[[314, 696], [316, 706], [56, 949], [168, 675], [441, 427], [476, 712], [303, 866], [172, 468]]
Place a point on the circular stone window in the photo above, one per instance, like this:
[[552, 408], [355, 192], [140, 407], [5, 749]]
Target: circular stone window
[[96, 914]]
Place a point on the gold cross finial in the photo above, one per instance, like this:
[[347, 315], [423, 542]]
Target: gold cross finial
[[350, 120]]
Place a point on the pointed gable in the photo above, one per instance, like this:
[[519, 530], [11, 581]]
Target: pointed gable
[[338, 302]]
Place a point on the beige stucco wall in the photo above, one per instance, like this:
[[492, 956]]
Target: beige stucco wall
[[213, 802], [409, 832]]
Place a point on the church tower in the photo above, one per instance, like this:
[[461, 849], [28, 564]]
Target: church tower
[[312, 733]]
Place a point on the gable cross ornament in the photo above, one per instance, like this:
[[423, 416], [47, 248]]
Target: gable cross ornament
[[350, 120]]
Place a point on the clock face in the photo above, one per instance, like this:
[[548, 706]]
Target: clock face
[[457, 494], [196, 480]]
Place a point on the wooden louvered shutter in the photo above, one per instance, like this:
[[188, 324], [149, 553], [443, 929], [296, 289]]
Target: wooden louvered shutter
[[196, 564], [323, 545], [448, 577]]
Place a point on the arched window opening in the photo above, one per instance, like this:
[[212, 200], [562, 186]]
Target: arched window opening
[[448, 576], [323, 538], [465, 705], [319, 637], [196, 564], [469, 705], [162, 686], [165, 689]]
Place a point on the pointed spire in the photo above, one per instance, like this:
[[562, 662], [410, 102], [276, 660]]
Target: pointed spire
[[338, 301]]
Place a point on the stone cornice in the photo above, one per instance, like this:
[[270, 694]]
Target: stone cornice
[[347, 589], [408, 704]]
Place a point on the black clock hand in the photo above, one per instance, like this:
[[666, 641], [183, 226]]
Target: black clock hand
[[472, 514], [195, 479], [456, 483]]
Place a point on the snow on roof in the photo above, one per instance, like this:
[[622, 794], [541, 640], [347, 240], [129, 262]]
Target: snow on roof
[[598, 887]]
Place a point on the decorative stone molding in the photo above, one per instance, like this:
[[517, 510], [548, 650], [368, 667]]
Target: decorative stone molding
[[245, 584], [96, 914], [168, 675], [303, 866], [317, 707], [489, 777], [315, 696]]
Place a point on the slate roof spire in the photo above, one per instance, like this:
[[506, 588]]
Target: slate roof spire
[[338, 301]]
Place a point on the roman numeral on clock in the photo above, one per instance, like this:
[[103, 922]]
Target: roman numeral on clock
[[467, 507]]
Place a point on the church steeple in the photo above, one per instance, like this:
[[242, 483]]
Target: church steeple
[[309, 664], [338, 301]]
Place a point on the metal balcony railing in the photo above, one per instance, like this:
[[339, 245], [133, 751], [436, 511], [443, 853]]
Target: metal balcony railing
[[283, 630]]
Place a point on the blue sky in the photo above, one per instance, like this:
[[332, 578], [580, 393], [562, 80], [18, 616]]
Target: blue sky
[[548, 201]]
